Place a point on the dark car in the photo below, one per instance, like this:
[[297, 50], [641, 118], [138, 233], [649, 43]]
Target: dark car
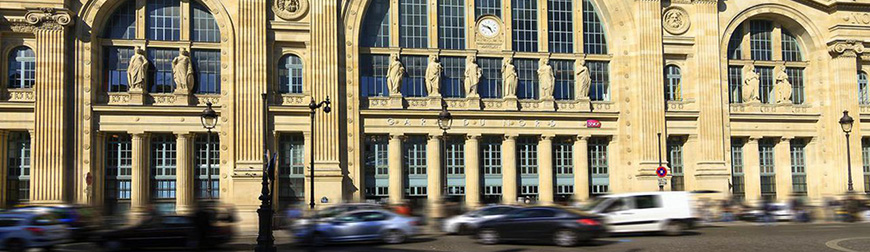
[[564, 227], [82, 221], [170, 231]]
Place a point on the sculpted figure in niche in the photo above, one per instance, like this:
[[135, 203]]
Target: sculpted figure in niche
[[472, 76], [182, 71], [546, 79], [750, 84], [433, 76], [394, 74], [783, 87], [509, 76], [137, 70], [582, 80]]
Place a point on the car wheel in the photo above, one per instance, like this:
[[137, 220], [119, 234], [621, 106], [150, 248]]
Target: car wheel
[[674, 228], [15, 246], [488, 236], [463, 229], [317, 240], [565, 238], [394, 237]]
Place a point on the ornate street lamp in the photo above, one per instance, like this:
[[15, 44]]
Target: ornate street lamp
[[209, 121], [846, 123], [326, 109], [445, 121]]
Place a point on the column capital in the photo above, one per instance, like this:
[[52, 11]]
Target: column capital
[[755, 138], [397, 136], [511, 137], [475, 137], [43, 19], [547, 137], [786, 138], [845, 48], [183, 134], [581, 138], [139, 135], [434, 137]]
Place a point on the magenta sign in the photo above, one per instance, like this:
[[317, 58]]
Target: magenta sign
[[593, 123]]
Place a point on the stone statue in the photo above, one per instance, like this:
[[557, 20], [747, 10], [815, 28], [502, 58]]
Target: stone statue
[[546, 79], [433, 76], [182, 71], [750, 84], [783, 87], [472, 76], [509, 76], [137, 70], [582, 80], [394, 75]]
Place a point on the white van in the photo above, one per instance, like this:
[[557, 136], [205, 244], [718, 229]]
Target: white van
[[671, 212]]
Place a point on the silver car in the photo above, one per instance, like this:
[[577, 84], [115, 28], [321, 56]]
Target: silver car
[[467, 223], [360, 225]]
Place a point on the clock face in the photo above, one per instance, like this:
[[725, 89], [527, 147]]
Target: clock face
[[489, 27]]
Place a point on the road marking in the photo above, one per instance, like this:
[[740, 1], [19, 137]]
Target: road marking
[[834, 243]]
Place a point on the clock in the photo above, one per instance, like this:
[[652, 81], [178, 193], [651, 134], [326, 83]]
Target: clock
[[489, 27]]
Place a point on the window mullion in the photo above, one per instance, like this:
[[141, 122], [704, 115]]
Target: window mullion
[[186, 21]]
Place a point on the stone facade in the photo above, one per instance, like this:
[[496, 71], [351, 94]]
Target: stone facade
[[715, 135]]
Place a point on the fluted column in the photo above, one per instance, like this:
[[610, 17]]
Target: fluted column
[[4, 166], [324, 59], [97, 190], [712, 97], [139, 184], [545, 170], [509, 169], [51, 181], [184, 194], [752, 170], [394, 150], [247, 106], [581, 168], [434, 174], [472, 171], [647, 109], [782, 154], [842, 95]]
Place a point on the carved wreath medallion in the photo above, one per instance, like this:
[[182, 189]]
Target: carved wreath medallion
[[290, 10], [676, 20]]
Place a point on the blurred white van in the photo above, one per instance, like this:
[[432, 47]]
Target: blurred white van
[[670, 212]]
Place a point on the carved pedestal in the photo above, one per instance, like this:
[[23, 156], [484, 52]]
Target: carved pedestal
[[473, 103], [548, 104], [137, 97], [392, 102], [511, 103], [182, 97], [434, 102], [573, 105]]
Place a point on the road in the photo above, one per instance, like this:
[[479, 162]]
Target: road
[[720, 237]]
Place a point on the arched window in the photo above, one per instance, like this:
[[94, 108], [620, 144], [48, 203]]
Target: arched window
[[561, 24], [22, 68], [673, 77], [863, 92], [164, 22], [769, 64], [290, 74]]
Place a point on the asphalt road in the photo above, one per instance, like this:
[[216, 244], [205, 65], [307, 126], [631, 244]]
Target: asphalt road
[[720, 237]]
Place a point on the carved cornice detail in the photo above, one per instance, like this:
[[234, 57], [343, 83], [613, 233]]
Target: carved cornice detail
[[847, 48]]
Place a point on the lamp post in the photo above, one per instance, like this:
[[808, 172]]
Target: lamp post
[[209, 121], [326, 109], [445, 120], [265, 239], [846, 123]]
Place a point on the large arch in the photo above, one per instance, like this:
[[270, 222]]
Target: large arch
[[793, 20]]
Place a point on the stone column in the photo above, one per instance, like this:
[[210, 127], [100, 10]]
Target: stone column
[[97, 190], [246, 108], [139, 185], [647, 107], [752, 171], [509, 169], [581, 168], [842, 95], [782, 155], [472, 171], [184, 194], [4, 144], [713, 100], [545, 170], [434, 174], [394, 150], [51, 180], [326, 53]]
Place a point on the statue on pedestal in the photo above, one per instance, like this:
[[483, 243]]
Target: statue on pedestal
[[472, 76], [783, 87], [433, 76], [749, 90], [546, 79], [509, 76], [394, 75], [582, 80], [182, 71], [137, 70]]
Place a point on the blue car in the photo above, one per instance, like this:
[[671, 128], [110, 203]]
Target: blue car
[[361, 225], [21, 231]]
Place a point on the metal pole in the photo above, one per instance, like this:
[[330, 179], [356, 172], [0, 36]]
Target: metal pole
[[265, 240], [208, 163], [444, 167], [313, 106], [661, 187], [849, 162]]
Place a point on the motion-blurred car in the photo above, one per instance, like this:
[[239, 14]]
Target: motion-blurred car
[[21, 231], [360, 225], [780, 212], [467, 223], [331, 212], [169, 231], [670, 212], [564, 227], [81, 221]]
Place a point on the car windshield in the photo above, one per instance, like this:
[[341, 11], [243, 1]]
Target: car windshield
[[9, 222], [331, 212], [593, 204]]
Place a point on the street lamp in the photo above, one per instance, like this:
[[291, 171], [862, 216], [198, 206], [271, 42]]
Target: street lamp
[[209, 121], [445, 120], [846, 123], [326, 109]]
